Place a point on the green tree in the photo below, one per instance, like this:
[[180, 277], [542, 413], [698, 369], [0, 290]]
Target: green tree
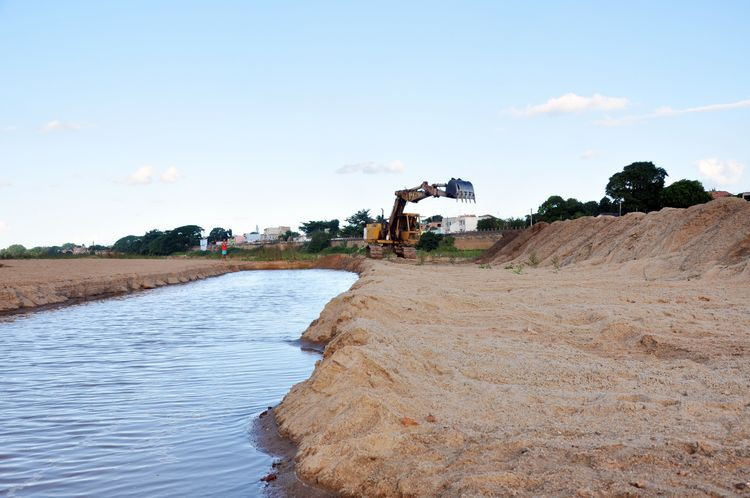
[[13, 251], [218, 234], [490, 223], [130, 244], [436, 217], [179, 239], [639, 186], [605, 205], [429, 241], [684, 193], [331, 227], [515, 223], [289, 235], [553, 209], [591, 208], [147, 240], [318, 241], [356, 223]]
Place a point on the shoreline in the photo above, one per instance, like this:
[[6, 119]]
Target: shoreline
[[37, 285]]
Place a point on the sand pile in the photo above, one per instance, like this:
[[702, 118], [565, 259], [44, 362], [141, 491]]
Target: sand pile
[[460, 380], [712, 237]]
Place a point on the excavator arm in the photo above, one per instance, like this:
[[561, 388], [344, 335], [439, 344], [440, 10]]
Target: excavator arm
[[455, 189]]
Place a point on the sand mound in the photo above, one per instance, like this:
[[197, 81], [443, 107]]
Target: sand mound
[[461, 380], [708, 238]]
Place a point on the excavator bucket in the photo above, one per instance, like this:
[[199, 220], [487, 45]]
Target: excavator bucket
[[460, 189]]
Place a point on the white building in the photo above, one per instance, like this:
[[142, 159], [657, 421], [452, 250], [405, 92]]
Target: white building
[[252, 237], [273, 233], [459, 224]]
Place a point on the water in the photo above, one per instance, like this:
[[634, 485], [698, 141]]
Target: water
[[153, 394]]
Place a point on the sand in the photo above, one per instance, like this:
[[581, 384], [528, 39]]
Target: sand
[[605, 374]]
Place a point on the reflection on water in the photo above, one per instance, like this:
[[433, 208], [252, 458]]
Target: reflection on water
[[153, 394]]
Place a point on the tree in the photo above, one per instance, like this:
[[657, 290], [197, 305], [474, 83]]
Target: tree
[[638, 185], [591, 208], [515, 223], [177, 240], [147, 239], [436, 217], [684, 193], [130, 244], [217, 234], [429, 241], [13, 251], [289, 235], [605, 205], [490, 223], [357, 223], [553, 209], [331, 227], [318, 241]]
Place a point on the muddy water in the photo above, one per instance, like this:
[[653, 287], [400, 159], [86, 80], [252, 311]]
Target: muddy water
[[153, 394]]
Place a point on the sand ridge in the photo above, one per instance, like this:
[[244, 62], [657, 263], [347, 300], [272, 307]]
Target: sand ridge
[[712, 237]]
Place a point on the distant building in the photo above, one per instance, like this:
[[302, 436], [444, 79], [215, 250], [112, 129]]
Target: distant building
[[434, 226], [239, 239], [459, 224], [274, 233], [252, 237], [717, 194], [745, 195]]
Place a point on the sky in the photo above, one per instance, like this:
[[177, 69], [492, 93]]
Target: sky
[[120, 117]]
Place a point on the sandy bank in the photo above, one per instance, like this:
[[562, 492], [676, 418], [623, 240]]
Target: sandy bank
[[457, 380], [28, 284]]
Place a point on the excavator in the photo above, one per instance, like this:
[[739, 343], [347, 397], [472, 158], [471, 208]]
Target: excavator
[[401, 232]]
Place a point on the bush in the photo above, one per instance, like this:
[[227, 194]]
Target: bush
[[319, 241], [429, 241], [14, 251]]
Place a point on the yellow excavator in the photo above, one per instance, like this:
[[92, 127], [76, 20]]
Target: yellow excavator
[[401, 232]]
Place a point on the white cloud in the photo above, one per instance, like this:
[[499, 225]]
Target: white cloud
[[571, 103], [667, 111], [171, 175], [721, 172], [3, 183], [589, 153], [372, 168], [141, 176], [3, 226], [55, 125]]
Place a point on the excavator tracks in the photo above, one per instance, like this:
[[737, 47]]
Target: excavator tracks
[[374, 251]]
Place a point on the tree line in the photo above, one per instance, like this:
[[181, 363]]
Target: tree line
[[638, 187]]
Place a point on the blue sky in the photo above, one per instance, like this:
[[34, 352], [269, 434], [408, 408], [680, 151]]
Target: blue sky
[[119, 117]]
